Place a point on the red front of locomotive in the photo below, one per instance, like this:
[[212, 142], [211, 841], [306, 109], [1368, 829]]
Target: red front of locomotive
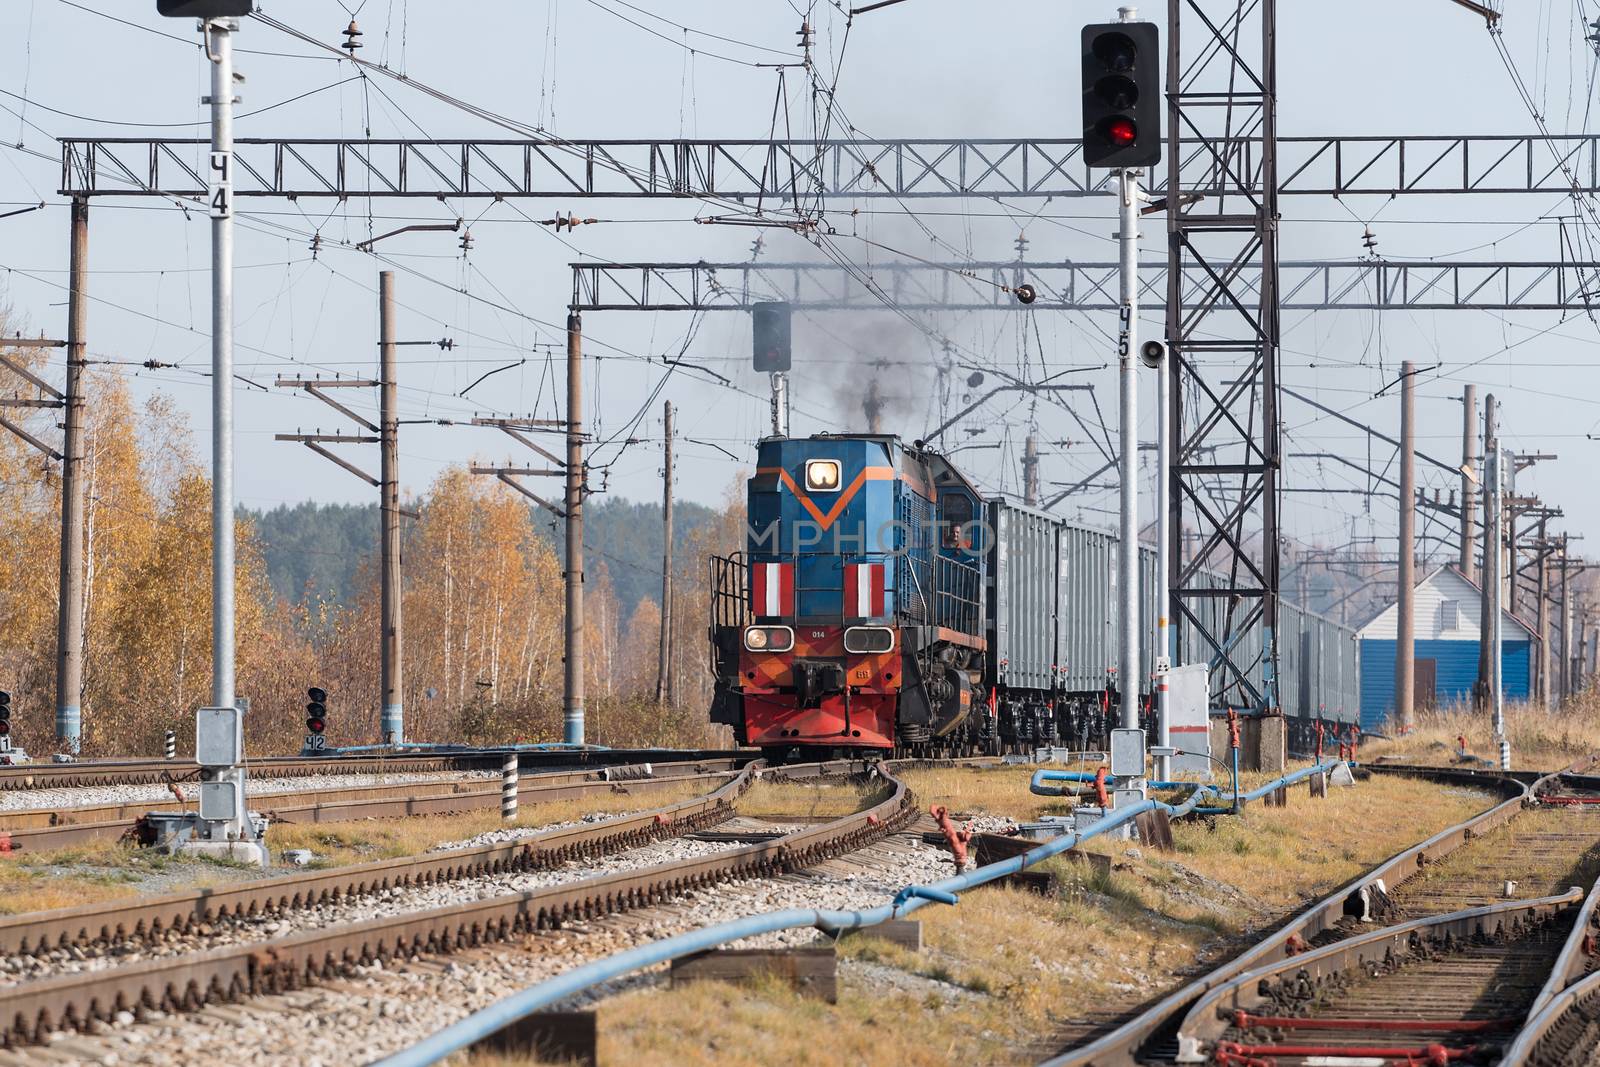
[[803, 686]]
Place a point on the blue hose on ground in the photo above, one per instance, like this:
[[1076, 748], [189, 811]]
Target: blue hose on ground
[[1036, 785], [503, 1013], [1039, 777], [480, 1025]]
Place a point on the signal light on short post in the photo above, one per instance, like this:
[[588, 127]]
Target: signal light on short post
[[317, 710], [1121, 95], [5, 714]]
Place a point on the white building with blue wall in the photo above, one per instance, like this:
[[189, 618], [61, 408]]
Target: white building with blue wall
[[1446, 613]]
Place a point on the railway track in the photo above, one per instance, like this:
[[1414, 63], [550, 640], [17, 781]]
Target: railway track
[[160, 771], [38, 830], [31, 1010], [1463, 874], [1431, 990]]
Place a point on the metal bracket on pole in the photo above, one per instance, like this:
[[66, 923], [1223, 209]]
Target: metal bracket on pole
[[517, 430]]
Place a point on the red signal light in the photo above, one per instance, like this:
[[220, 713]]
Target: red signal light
[[5, 727], [316, 726], [1121, 131]]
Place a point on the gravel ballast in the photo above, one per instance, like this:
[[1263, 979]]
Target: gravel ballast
[[379, 1010]]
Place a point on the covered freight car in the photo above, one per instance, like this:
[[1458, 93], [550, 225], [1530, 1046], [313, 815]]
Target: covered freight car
[[882, 603]]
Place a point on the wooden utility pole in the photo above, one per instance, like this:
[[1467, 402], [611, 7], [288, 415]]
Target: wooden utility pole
[[572, 712], [1491, 568], [385, 433], [69, 617], [1405, 640], [1542, 603], [1565, 679], [1469, 477], [71, 403], [664, 659], [392, 720]]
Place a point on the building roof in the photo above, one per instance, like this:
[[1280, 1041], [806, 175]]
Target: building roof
[[1447, 607]]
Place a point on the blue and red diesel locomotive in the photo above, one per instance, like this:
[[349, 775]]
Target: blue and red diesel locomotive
[[863, 613], [882, 603]]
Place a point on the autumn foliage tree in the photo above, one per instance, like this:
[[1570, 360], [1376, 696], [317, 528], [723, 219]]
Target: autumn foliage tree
[[482, 607]]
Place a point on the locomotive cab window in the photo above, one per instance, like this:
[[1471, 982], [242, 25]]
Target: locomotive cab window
[[955, 511], [822, 475]]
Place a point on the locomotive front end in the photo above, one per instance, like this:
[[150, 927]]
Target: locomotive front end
[[819, 660]]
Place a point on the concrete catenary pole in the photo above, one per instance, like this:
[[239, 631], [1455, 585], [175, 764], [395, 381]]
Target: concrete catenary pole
[[664, 656], [1030, 470], [1405, 639], [69, 617], [572, 712], [219, 34], [392, 720], [1469, 476], [1129, 683], [216, 731], [1497, 610], [1564, 678], [1542, 591], [1163, 578], [1490, 578]]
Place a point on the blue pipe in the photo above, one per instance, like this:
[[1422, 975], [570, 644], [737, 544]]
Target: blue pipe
[[1039, 777], [503, 1013], [1235, 748], [1239, 801]]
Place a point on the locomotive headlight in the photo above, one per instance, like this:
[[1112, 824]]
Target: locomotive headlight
[[768, 638], [862, 639], [822, 475]]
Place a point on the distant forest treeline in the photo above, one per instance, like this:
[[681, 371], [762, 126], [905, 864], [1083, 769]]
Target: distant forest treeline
[[316, 551]]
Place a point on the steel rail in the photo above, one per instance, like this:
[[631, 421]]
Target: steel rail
[[31, 1010], [1556, 1032], [1572, 962], [159, 771], [117, 920], [1210, 1016], [1120, 1046], [347, 802], [67, 831]]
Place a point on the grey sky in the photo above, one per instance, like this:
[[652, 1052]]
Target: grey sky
[[925, 67]]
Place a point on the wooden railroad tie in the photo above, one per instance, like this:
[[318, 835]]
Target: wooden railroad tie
[[1155, 830], [812, 972], [992, 848], [549, 1036], [907, 933]]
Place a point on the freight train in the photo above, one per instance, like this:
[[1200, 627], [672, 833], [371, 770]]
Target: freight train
[[884, 603]]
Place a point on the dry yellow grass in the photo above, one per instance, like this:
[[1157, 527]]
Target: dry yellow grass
[[1540, 739], [819, 799], [342, 843], [25, 888], [1006, 970]]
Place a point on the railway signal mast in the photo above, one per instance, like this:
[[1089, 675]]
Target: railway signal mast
[[1122, 132], [223, 826]]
